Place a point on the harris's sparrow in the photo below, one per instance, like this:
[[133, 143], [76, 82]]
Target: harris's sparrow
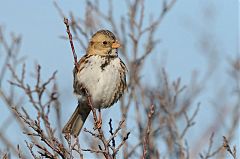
[[102, 73]]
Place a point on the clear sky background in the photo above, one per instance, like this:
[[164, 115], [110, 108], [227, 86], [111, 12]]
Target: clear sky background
[[180, 32]]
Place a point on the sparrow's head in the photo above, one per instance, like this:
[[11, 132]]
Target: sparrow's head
[[103, 43]]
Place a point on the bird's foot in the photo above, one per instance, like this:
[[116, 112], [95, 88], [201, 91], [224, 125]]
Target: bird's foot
[[99, 121], [99, 124]]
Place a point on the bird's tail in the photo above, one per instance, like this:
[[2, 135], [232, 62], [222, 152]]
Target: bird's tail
[[75, 123]]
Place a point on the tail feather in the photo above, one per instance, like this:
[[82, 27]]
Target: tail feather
[[76, 121]]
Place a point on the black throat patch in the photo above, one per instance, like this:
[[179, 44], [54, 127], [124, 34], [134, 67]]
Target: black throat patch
[[107, 60]]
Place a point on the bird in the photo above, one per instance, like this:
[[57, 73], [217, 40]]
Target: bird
[[102, 74]]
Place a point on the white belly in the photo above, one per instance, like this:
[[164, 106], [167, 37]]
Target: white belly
[[100, 83]]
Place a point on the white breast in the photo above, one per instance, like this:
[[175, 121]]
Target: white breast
[[100, 82]]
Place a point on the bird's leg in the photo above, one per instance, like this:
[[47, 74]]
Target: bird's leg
[[99, 122]]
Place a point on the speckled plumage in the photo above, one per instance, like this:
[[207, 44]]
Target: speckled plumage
[[102, 73]]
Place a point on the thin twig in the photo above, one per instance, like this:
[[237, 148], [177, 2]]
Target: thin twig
[[233, 151], [71, 43]]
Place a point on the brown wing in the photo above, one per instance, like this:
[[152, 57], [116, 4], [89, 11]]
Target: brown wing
[[78, 88], [122, 85]]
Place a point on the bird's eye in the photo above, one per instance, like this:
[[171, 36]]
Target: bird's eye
[[105, 42]]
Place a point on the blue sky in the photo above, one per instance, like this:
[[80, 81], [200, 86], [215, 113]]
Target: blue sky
[[41, 26]]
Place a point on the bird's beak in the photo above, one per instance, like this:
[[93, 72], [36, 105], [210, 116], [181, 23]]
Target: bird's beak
[[116, 45]]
